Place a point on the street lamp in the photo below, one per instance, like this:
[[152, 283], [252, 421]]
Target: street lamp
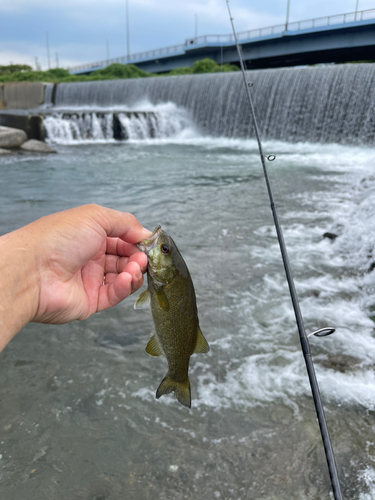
[[127, 31], [287, 15], [47, 43]]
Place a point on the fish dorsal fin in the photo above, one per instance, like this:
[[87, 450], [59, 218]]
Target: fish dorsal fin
[[201, 344], [143, 300], [161, 298], [153, 347]]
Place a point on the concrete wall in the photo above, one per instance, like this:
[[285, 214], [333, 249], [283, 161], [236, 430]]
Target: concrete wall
[[2, 103], [21, 95]]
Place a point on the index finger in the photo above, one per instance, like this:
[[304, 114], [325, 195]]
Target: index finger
[[120, 224], [117, 246]]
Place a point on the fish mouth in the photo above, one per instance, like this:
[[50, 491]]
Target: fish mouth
[[149, 243]]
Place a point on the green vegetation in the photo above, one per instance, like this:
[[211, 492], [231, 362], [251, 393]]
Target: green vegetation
[[204, 66], [58, 75], [24, 73], [14, 68]]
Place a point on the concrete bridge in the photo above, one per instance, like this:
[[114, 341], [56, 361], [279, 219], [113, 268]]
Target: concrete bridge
[[337, 39]]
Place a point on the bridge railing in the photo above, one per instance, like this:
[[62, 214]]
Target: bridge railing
[[281, 28], [191, 43], [148, 54]]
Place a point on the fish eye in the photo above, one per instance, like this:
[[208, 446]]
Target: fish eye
[[164, 248]]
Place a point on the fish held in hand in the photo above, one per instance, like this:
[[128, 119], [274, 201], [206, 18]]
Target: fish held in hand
[[171, 294]]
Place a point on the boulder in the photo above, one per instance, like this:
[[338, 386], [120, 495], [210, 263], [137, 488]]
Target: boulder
[[11, 137], [330, 236], [4, 151], [37, 146], [31, 124]]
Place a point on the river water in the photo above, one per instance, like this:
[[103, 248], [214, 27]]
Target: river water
[[78, 415]]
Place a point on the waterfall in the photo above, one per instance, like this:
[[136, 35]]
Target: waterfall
[[315, 104], [90, 125]]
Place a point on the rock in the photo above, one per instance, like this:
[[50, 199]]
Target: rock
[[37, 146], [12, 137], [330, 236], [4, 151], [32, 124]]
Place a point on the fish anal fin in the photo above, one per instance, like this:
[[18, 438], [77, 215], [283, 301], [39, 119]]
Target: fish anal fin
[[143, 300], [153, 347], [201, 345], [181, 389]]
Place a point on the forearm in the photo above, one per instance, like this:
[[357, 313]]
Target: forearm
[[19, 287]]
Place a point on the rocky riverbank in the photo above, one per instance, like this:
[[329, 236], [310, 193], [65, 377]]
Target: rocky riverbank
[[13, 139]]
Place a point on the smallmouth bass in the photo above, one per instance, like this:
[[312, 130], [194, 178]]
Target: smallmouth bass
[[171, 294]]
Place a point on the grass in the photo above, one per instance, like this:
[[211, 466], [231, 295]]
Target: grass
[[24, 73]]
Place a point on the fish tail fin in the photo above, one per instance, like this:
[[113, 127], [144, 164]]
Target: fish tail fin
[[181, 389]]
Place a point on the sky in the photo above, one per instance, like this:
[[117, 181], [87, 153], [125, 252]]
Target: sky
[[79, 31]]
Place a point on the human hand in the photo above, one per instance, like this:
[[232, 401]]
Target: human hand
[[88, 262], [71, 264]]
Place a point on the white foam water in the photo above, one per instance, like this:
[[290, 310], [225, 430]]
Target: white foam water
[[141, 121], [335, 282], [78, 128]]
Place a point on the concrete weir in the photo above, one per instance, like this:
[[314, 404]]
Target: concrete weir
[[83, 124], [22, 95], [26, 106]]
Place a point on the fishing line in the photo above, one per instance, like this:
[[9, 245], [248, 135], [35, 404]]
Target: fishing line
[[293, 294]]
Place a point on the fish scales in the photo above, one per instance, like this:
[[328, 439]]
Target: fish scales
[[172, 325], [173, 305]]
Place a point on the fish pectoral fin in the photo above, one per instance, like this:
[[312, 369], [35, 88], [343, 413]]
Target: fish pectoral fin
[[201, 345], [181, 389], [162, 298], [143, 300], [153, 347]]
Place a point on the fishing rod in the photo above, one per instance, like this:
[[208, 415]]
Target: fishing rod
[[293, 294]]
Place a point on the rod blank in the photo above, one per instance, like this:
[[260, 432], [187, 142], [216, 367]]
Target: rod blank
[[293, 294]]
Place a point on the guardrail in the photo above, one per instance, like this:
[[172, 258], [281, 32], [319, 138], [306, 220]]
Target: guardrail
[[318, 22]]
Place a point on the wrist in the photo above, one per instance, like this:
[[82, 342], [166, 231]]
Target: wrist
[[19, 283]]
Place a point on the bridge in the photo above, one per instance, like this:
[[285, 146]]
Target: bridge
[[332, 39]]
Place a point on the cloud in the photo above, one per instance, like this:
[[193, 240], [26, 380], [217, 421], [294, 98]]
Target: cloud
[[78, 29], [25, 5], [20, 53]]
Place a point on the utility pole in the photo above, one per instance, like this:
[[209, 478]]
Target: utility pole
[[107, 52], [196, 27], [48, 59], [57, 60], [37, 65], [356, 10], [287, 16], [127, 31]]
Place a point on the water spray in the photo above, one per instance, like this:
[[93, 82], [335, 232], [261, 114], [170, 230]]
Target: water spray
[[322, 332]]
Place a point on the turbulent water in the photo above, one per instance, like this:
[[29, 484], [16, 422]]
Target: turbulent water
[[78, 125], [314, 104], [78, 415]]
